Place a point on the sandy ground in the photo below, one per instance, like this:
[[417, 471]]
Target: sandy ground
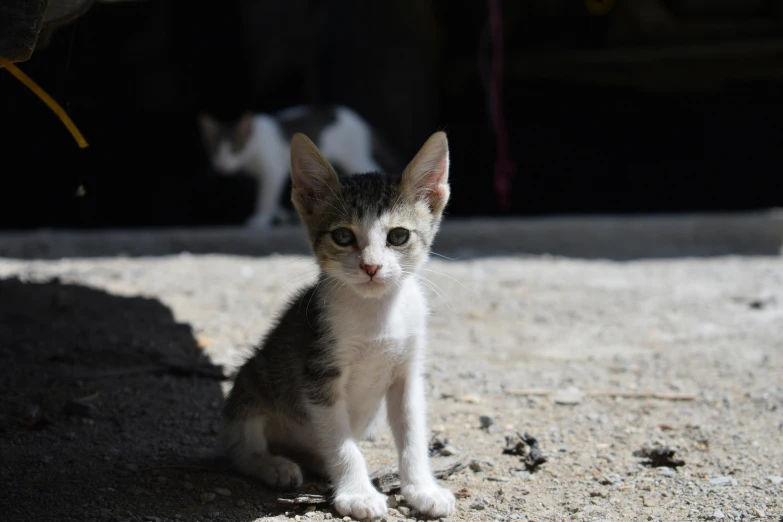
[[111, 397]]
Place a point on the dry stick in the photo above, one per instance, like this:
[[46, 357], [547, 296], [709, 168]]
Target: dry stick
[[625, 394]]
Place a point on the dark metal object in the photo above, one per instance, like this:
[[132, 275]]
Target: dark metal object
[[20, 23], [28, 24]]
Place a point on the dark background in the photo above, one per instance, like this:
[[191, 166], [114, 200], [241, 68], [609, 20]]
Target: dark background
[[618, 112]]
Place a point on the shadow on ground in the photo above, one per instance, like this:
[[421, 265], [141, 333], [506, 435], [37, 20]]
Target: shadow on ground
[[110, 412]]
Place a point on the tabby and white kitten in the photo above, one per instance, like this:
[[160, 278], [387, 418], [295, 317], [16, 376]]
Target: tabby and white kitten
[[352, 341], [259, 145]]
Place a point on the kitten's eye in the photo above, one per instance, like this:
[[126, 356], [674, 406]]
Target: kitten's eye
[[398, 236], [343, 236]]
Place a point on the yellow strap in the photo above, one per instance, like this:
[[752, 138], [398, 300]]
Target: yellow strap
[[48, 100]]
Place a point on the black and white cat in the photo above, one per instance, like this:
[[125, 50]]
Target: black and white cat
[[258, 144], [350, 342]]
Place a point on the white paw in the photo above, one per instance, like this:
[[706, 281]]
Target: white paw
[[361, 506], [280, 472], [259, 221], [430, 500]]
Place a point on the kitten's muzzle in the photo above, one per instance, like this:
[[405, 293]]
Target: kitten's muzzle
[[370, 270]]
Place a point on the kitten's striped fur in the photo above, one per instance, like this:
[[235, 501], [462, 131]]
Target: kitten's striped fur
[[352, 341]]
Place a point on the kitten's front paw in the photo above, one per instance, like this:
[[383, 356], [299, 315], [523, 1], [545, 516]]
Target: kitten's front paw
[[430, 500], [360, 506]]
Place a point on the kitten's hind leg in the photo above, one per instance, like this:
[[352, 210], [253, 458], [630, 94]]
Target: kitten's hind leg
[[245, 442]]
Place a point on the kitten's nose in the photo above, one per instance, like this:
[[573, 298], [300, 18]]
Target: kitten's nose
[[371, 270]]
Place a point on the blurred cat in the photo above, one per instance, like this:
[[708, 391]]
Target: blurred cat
[[258, 144]]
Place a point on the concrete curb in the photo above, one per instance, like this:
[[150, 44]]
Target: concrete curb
[[591, 237]]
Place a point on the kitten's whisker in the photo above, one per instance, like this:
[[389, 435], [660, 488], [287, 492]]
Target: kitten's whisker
[[430, 284], [449, 277], [445, 257]]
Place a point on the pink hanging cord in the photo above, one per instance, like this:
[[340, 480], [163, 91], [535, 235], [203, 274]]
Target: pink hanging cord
[[505, 167]]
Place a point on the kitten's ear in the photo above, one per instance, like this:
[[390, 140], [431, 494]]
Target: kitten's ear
[[312, 176], [427, 176], [210, 129], [244, 128]]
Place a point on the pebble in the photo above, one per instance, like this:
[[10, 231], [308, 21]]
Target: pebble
[[470, 399], [188, 485], [723, 481], [480, 465], [486, 421], [208, 496], [718, 514], [776, 479], [570, 395], [240, 503], [404, 510], [223, 492], [151, 518], [667, 472], [479, 504], [448, 451], [391, 501]]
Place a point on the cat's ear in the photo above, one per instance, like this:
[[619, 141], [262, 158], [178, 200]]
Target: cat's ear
[[244, 128], [427, 176], [210, 129], [312, 176]]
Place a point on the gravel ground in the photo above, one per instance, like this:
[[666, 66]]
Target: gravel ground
[[112, 393]]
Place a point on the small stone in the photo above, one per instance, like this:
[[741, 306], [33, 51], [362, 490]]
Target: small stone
[[760, 513], [208, 496], [667, 472], [448, 451], [346, 518], [723, 481], [404, 510], [70, 435], [310, 508], [438, 428], [649, 502], [470, 399], [223, 492], [480, 465], [151, 518], [570, 395], [486, 421], [776, 479], [188, 485], [391, 501], [241, 503], [479, 504], [718, 514]]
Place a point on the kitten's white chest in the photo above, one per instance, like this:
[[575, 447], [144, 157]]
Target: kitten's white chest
[[375, 342]]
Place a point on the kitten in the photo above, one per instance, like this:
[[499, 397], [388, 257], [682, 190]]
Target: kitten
[[258, 144], [351, 342]]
